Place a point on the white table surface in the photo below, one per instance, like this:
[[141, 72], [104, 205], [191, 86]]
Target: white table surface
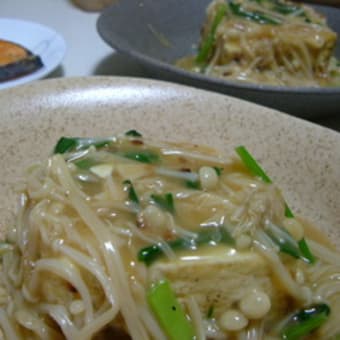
[[87, 54]]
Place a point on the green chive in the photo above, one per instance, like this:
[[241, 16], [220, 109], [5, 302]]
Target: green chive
[[218, 170], [133, 133], [305, 321], [305, 251], [288, 212], [208, 43], [142, 156], [284, 240], [285, 8], [210, 312], [209, 235], [193, 184], [165, 202], [302, 248], [169, 312], [66, 144], [288, 244], [258, 17], [85, 163], [133, 197], [251, 163]]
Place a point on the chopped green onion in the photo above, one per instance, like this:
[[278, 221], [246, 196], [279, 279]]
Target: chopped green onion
[[258, 17], [66, 144], [169, 312], [133, 133], [208, 43], [132, 192], [210, 312], [85, 163], [284, 8], [209, 235], [305, 321], [193, 184], [255, 168], [251, 163], [288, 244], [288, 212], [286, 247], [142, 156], [165, 202], [218, 170], [283, 239], [305, 251]]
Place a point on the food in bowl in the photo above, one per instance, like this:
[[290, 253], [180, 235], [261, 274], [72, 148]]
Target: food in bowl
[[161, 240], [271, 42]]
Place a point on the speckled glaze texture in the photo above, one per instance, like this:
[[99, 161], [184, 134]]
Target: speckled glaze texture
[[302, 158]]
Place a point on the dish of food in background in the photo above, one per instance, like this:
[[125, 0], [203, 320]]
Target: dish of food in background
[[117, 104], [273, 42], [16, 61], [33, 51], [93, 5], [156, 43]]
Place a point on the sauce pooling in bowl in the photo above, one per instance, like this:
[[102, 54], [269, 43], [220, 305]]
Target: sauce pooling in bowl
[[161, 240]]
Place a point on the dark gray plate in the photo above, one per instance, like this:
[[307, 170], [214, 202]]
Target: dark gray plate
[[133, 27]]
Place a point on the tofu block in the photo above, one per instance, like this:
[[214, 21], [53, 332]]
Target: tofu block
[[218, 276]]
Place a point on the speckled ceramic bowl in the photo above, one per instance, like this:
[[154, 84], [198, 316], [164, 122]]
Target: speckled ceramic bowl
[[302, 158]]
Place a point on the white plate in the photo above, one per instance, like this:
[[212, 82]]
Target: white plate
[[40, 40]]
